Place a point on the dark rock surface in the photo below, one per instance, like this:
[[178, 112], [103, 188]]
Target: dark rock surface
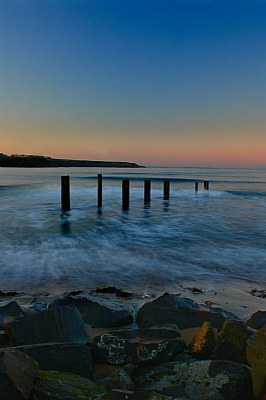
[[114, 376], [11, 309], [138, 346], [151, 362], [185, 313], [65, 357], [60, 324], [201, 380], [232, 341], [99, 314], [53, 385], [18, 373], [257, 320], [203, 344]]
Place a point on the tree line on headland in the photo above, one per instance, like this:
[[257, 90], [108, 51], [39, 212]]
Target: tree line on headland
[[36, 161]]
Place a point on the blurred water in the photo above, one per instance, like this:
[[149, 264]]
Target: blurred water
[[206, 236]]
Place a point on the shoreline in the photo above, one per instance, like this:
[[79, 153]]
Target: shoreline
[[242, 301]]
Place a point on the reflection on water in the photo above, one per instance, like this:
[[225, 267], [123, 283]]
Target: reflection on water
[[215, 235]]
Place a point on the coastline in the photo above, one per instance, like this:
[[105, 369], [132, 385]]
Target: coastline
[[242, 301]]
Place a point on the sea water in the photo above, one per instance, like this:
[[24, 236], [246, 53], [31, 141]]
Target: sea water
[[202, 237]]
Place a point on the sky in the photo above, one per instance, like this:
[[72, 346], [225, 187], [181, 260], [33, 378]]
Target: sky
[[164, 82]]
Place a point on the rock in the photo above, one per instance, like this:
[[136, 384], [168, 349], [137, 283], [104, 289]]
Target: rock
[[232, 341], [135, 346], [203, 344], [61, 324], [73, 358], [18, 372], [201, 380], [99, 314], [54, 385], [256, 356], [257, 320], [118, 394], [3, 338], [12, 310], [119, 379], [139, 395], [185, 313]]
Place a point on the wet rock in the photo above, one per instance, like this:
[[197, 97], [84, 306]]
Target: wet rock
[[185, 313], [99, 314], [61, 324], [201, 380], [203, 344], [11, 310], [8, 294], [257, 320], [64, 357], [256, 356], [113, 290], [232, 341], [135, 346], [54, 385], [17, 375]]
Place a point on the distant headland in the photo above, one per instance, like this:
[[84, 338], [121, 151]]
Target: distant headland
[[35, 161]]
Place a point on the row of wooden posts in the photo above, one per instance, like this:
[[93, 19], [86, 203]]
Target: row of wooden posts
[[65, 191]]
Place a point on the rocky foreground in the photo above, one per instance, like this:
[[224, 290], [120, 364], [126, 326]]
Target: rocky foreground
[[78, 347]]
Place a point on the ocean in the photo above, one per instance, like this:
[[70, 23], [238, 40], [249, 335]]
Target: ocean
[[203, 238]]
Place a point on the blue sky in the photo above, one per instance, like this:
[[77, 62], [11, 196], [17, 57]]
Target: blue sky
[[149, 81]]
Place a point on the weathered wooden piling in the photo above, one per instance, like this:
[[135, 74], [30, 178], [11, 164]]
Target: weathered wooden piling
[[147, 191], [125, 194], [65, 193], [196, 186], [166, 190], [206, 185], [100, 190]]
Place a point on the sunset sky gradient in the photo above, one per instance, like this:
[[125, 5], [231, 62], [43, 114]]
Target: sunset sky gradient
[[151, 81]]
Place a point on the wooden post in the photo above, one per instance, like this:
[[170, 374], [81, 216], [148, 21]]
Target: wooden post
[[196, 186], [166, 190], [206, 185], [100, 190], [125, 194], [65, 193], [147, 191]]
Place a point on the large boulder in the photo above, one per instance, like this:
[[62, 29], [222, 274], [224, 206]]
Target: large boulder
[[65, 357], [18, 373], [102, 313], [232, 341], [54, 385], [11, 310], [135, 346], [257, 320], [60, 324], [185, 313], [201, 380], [256, 356], [203, 344]]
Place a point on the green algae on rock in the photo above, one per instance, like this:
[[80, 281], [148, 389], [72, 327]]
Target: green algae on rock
[[54, 385], [232, 341]]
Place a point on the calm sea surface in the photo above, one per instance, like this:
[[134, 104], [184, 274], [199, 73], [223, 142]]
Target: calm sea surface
[[198, 237]]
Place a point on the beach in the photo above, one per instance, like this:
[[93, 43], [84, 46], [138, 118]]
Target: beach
[[214, 240]]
